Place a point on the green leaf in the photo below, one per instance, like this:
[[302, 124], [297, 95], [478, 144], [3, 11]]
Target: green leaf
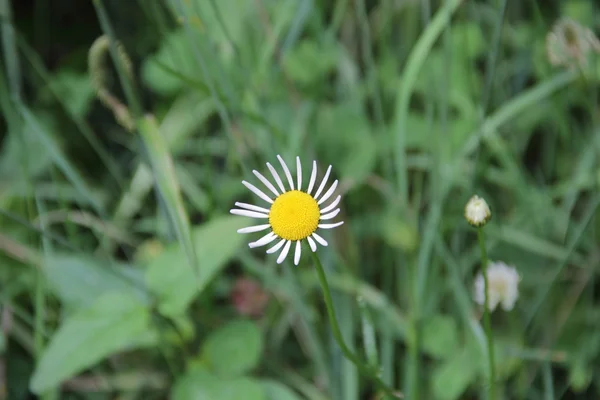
[[163, 71], [75, 87], [580, 377], [170, 277], [399, 234], [278, 391], [452, 378], [113, 323], [233, 349], [199, 384], [440, 336], [309, 61], [468, 41], [16, 154], [79, 280]]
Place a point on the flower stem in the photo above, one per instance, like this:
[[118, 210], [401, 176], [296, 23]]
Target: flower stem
[[363, 368], [486, 317]]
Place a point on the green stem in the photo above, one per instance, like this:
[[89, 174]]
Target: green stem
[[337, 333], [486, 317]]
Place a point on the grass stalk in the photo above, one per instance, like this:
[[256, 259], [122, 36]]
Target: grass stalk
[[487, 321], [414, 65]]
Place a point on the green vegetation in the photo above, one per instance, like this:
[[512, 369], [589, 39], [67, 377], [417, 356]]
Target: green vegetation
[[128, 126]]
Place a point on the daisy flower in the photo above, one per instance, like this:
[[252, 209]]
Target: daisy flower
[[293, 215], [503, 286]]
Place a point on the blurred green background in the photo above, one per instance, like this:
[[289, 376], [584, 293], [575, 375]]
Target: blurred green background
[[128, 126]]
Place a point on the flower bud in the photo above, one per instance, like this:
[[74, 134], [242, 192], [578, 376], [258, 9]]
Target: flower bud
[[477, 211]]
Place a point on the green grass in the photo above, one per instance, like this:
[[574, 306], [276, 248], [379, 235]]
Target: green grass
[[118, 259]]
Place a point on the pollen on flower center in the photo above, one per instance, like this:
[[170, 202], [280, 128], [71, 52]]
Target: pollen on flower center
[[294, 215]]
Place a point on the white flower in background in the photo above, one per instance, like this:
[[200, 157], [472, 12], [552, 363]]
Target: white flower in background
[[293, 215], [570, 44], [503, 289], [477, 211]]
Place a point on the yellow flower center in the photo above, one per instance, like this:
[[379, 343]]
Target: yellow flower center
[[294, 215]]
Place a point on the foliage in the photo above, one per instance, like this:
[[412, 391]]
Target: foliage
[[117, 261]]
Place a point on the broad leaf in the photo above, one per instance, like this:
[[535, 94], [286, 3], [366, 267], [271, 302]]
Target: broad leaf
[[113, 323], [278, 391], [454, 376], [200, 384], [233, 349], [79, 280], [171, 277], [440, 336]]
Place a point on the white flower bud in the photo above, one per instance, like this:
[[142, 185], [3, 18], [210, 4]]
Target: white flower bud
[[477, 211], [503, 288]]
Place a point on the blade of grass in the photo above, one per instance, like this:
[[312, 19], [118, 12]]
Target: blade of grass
[[531, 243], [461, 293], [9, 46], [577, 237], [368, 333], [221, 110], [548, 382], [40, 305], [516, 106], [60, 159], [414, 64], [168, 185], [349, 384]]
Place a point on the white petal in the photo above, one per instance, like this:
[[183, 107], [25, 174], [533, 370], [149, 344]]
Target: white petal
[[329, 192], [246, 213], [313, 245], [252, 207], [256, 228], [299, 172], [332, 205], [331, 214], [313, 177], [264, 180], [323, 182], [288, 174], [276, 247], [268, 238], [319, 239], [257, 192], [330, 226], [276, 177], [297, 253], [284, 252]]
